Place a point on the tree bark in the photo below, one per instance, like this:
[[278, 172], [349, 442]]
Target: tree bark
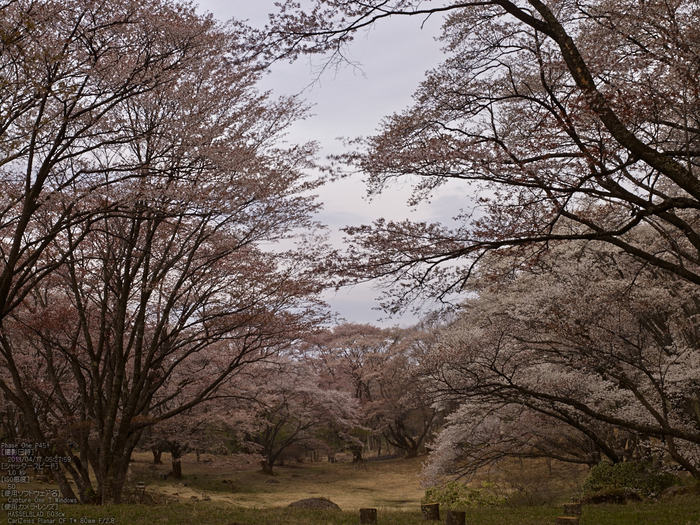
[[368, 515], [430, 511], [177, 468], [177, 450], [266, 465], [455, 517], [157, 451]]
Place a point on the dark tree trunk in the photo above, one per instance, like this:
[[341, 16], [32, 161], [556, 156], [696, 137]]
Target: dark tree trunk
[[456, 517], [357, 458], [267, 465], [402, 438], [368, 516], [430, 511], [157, 451], [177, 450], [177, 468]]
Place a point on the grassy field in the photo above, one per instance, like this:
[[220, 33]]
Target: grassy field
[[392, 484], [228, 491], [681, 512]]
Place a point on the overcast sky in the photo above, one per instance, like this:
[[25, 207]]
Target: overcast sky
[[394, 57]]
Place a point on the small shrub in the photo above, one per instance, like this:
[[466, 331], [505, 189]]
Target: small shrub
[[455, 495], [632, 476]]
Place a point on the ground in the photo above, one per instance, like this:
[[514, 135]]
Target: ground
[[228, 490], [393, 483]]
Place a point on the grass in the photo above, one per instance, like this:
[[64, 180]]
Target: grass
[[391, 484], [229, 492], [684, 511]]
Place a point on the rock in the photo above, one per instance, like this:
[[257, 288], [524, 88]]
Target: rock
[[315, 504]]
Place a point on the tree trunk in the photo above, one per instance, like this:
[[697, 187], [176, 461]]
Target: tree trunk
[[176, 455], [430, 511], [357, 459], [177, 450], [412, 451], [455, 517], [266, 465], [157, 453], [110, 491], [368, 516], [112, 485], [177, 468], [64, 486]]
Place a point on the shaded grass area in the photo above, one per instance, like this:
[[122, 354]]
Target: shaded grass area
[[682, 511]]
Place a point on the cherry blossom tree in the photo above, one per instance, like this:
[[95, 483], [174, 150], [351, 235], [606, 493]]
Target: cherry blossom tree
[[581, 113], [291, 407], [589, 354], [144, 175], [379, 367], [569, 121], [70, 72], [404, 411], [208, 426]]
